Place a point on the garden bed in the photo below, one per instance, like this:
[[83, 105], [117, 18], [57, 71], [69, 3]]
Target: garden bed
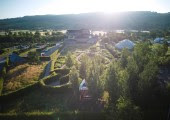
[[60, 62], [22, 76]]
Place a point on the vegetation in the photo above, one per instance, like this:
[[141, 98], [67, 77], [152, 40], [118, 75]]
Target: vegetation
[[137, 20], [1, 85], [60, 62], [19, 39], [21, 76], [125, 84], [132, 84]]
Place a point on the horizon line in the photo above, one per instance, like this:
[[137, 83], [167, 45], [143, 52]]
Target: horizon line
[[81, 13]]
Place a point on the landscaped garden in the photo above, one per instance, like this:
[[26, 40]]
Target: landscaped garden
[[22, 76]]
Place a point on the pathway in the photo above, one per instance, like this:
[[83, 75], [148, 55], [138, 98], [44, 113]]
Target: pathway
[[47, 69]]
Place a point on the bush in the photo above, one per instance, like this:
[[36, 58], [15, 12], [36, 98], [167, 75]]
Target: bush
[[4, 72], [54, 55], [55, 116], [62, 71], [51, 79], [65, 87], [52, 66], [64, 79], [127, 111], [27, 116], [1, 85], [47, 89], [18, 93], [45, 58]]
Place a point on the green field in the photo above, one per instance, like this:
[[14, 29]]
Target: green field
[[38, 101], [22, 76]]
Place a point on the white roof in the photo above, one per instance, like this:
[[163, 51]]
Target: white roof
[[125, 44], [83, 85]]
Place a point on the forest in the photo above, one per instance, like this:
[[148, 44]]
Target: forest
[[144, 20], [130, 85]]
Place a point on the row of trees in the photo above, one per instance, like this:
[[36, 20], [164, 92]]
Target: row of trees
[[134, 36], [11, 39]]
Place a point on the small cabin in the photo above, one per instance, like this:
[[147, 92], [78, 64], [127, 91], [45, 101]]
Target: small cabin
[[84, 91]]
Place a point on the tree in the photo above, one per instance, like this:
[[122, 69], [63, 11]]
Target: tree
[[132, 82], [74, 79], [33, 56], [95, 84], [47, 33], [142, 54], [126, 110], [69, 60], [112, 85], [124, 56], [160, 50], [148, 76], [84, 67]]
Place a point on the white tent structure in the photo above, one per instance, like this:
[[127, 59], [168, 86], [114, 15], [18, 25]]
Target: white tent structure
[[83, 85], [158, 40], [125, 44]]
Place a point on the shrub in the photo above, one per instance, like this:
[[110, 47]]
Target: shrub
[[62, 71], [51, 79], [52, 66], [45, 58], [56, 89], [55, 116], [18, 93], [64, 79], [54, 55], [4, 72], [1, 85]]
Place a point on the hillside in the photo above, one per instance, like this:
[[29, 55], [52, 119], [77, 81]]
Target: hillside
[[124, 20]]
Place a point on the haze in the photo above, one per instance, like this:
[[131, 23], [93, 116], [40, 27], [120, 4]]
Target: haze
[[19, 8]]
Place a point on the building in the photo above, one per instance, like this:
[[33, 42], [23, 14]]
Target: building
[[76, 34], [82, 35], [125, 44], [83, 89], [15, 59], [159, 40]]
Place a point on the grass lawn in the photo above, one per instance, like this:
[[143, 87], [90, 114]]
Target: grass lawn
[[39, 101], [21, 76]]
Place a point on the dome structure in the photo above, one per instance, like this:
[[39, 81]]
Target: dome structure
[[125, 44], [158, 40]]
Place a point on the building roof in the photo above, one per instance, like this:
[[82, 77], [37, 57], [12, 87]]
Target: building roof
[[125, 44], [14, 58], [158, 40], [83, 85]]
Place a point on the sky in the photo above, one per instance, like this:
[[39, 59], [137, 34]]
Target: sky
[[20, 8]]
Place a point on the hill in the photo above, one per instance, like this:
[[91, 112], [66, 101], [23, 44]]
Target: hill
[[144, 20]]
